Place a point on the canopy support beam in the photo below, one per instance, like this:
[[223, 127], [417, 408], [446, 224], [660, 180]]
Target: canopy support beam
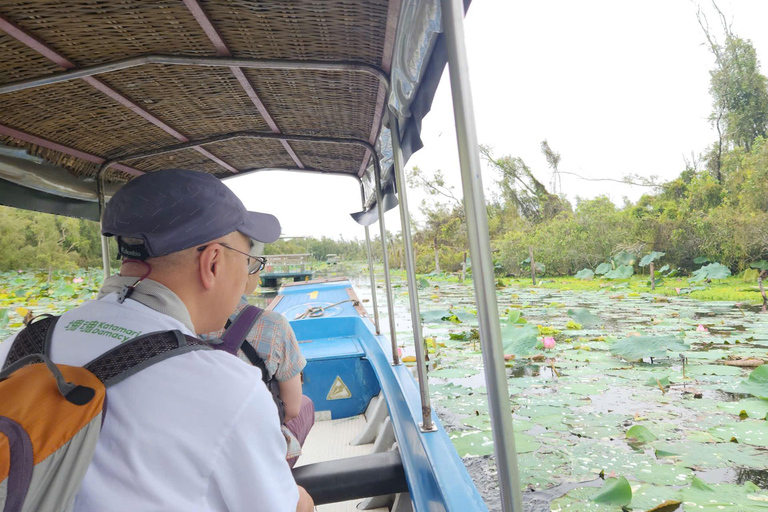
[[243, 135], [178, 60], [105, 259], [482, 267], [371, 272], [427, 424], [385, 258]]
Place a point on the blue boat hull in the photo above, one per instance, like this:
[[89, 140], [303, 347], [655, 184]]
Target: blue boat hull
[[342, 345]]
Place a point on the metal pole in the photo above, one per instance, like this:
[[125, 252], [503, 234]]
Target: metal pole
[[105, 260], [482, 267], [385, 259], [370, 265], [178, 60], [427, 424]]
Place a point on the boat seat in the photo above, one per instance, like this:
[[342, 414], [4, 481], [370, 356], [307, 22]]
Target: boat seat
[[353, 477]]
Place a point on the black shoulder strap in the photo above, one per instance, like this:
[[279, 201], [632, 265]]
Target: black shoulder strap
[[35, 338], [139, 353]]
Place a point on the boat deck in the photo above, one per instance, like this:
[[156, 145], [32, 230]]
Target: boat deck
[[330, 440]]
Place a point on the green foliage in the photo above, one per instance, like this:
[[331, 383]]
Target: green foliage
[[711, 271], [621, 272], [603, 268], [641, 434], [635, 348], [585, 317], [32, 240], [519, 340], [616, 492], [584, 274], [648, 258], [757, 383]]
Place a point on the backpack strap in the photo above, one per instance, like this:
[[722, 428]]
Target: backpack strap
[[236, 331], [35, 338], [139, 353]]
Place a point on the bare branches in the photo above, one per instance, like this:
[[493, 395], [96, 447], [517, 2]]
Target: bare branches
[[435, 186]]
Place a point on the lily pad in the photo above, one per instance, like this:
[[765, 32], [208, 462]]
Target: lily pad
[[757, 383], [584, 317], [648, 258], [603, 268], [635, 348], [749, 431], [616, 492], [453, 373], [711, 271], [724, 497], [620, 272], [519, 340], [641, 434]]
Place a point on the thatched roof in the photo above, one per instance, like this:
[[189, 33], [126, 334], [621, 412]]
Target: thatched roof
[[78, 124]]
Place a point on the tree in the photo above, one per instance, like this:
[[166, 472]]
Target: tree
[[739, 91], [520, 189]]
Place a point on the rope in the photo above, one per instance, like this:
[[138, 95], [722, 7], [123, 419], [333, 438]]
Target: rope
[[318, 311]]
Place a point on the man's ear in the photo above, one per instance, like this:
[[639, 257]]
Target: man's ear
[[209, 264]]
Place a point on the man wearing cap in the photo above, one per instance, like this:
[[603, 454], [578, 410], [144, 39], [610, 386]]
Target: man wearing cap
[[198, 431]]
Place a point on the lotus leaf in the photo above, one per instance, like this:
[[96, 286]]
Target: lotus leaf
[[620, 272], [757, 383], [754, 407], [584, 317], [603, 268], [749, 431], [515, 316], [423, 283], [713, 369], [760, 265], [3, 318], [665, 474], [663, 269], [648, 258], [724, 497], [641, 434], [711, 271], [623, 258], [584, 274], [453, 373], [700, 259], [615, 491], [635, 348], [519, 340], [650, 498]]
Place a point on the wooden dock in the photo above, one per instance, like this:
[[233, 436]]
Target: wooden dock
[[280, 267]]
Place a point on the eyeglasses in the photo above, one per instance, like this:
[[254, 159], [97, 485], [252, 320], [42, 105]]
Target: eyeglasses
[[259, 262]]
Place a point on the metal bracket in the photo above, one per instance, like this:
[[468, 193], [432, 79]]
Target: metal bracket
[[433, 428]]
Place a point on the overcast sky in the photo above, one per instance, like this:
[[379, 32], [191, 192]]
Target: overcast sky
[[616, 87]]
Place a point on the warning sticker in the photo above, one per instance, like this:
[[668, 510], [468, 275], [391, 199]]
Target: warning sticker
[[338, 390]]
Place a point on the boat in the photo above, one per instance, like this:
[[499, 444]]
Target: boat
[[94, 93]]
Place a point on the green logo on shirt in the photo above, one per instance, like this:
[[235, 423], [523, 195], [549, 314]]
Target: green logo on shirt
[[102, 329]]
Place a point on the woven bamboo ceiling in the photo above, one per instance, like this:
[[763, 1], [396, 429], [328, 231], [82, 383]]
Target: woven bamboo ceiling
[[79, 124]]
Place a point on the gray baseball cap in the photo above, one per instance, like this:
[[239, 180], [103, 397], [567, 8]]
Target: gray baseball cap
[[175, 209]]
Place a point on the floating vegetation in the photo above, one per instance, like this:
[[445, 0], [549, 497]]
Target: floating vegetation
[[633, 390]]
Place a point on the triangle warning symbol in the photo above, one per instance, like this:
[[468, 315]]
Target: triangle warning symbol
[[338, 390]]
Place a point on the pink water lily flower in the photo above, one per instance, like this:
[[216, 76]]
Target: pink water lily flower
[[701, 328], [77, 280], [677, 290], [549, 342]]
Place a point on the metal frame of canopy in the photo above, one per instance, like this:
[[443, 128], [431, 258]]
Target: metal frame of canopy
[[452, 15]]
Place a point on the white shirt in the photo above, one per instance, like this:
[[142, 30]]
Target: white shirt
[[196, 432]]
